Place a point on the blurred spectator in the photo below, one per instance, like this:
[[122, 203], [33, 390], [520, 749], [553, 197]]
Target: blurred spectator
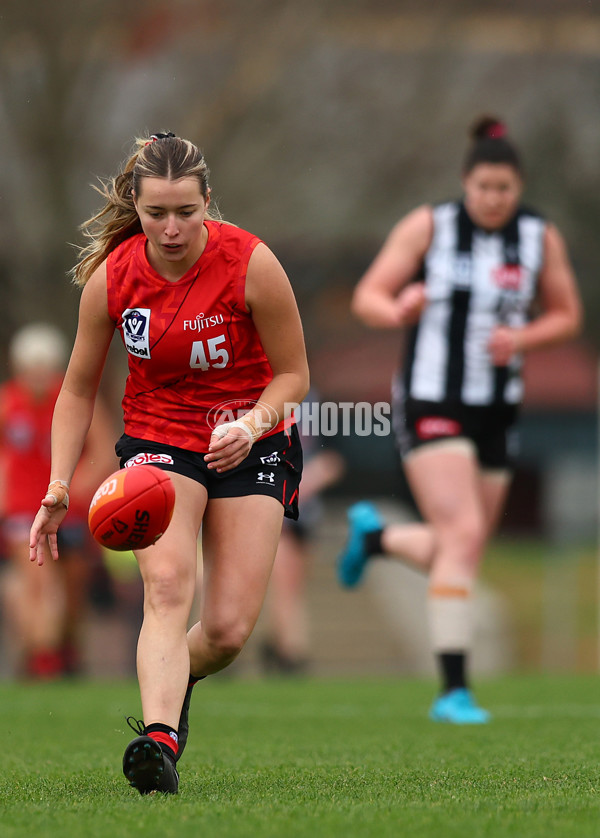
[[286, 648], [44, 606]]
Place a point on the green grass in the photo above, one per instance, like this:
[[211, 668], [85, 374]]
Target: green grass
[[309, 758]]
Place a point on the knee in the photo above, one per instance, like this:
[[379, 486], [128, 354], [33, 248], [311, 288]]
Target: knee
[[473, 535], [226, 639], [165, 588], [465, 540]]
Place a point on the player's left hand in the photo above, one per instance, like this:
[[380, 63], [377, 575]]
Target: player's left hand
[[410, 303], [230, 443], [504, 344]]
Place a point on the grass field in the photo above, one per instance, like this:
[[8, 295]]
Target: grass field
[[309, 758]]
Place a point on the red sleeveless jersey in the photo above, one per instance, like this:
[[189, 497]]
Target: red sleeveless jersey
[[25, 426], [195, 357]]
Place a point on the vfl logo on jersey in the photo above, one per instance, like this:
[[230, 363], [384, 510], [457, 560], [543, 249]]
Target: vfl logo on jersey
[[136, 331]]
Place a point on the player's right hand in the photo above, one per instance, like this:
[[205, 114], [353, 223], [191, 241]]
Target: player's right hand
[[46, 523]]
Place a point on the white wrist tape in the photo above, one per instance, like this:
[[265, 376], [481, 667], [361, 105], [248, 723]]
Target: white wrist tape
[[59, 490], [246, 423]]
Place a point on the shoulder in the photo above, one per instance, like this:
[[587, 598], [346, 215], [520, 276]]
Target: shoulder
[[122, 253], [231, 238], [554, 242], [127, 246], [420, 217], [415, 228], [445, 211], [94, 297], [532, 223], [264, 265], [266, 277]]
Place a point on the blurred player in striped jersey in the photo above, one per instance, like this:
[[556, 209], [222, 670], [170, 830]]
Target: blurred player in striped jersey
[[476, 283]]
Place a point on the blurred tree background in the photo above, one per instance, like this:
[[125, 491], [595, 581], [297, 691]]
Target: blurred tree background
[[322, 121]]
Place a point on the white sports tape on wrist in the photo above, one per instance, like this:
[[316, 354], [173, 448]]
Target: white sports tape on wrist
[[59, 490], [246, 423]]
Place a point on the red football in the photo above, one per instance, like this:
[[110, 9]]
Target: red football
[[132, 508]]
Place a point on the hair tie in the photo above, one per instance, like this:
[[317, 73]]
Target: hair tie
[[155, 137], [496, 131]]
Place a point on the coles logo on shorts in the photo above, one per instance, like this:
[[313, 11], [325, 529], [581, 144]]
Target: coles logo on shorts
[[147, 459], [433, 427]]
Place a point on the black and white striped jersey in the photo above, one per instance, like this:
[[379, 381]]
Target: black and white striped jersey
[[475, 281]]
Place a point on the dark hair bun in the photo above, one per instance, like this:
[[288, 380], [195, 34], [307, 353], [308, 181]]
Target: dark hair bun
[[488, 128]]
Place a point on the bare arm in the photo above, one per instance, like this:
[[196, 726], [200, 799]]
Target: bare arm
[[75, 406], [561, 316], [378, 299], [271, 302]]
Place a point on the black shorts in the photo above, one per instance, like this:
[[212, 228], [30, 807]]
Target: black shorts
[[273, 467], [491, 428]]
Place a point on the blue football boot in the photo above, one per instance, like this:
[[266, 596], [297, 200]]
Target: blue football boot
[[458, 707], [363, 518]]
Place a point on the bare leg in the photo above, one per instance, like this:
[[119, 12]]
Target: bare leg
[[415, 543], [168, 570], [34, 602], [446, 487], [288, 621], [461, 505], [240, 537], [410, 543], [75, 564]]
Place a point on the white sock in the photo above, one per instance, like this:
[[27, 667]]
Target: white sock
[[450, 618]]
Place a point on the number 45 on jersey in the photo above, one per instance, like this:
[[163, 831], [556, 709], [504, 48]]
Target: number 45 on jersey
[[209, 353]]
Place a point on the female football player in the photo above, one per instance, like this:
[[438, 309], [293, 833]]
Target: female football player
[[210, 324]]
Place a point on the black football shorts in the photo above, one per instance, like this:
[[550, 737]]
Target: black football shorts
[[273, 467], [492, 429]]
